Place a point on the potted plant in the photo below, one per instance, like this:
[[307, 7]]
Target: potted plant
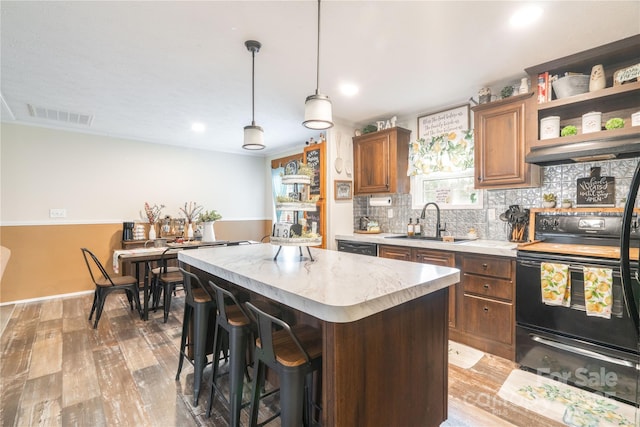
[[207, 218], [549, 200], [566, 203], [569, 130], [506, 91], [614, 123]]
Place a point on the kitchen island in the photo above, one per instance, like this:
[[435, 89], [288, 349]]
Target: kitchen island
[[384, 326]]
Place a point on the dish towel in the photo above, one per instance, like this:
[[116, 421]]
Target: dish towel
[[598, 298], [555, 284]]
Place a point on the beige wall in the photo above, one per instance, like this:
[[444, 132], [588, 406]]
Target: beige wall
[[101, 182]]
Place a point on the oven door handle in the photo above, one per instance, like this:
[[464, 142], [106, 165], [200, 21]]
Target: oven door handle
[[584, 352]]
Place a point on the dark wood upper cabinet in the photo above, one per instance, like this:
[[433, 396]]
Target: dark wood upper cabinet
[[500, 145], [380, 162]]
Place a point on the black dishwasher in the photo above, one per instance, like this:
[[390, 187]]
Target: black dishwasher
[[362, 248]]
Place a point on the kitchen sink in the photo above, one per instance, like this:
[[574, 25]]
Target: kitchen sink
[[428, 238]]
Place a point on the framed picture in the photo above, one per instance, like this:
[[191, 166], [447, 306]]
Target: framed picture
[[343, 190], [442, 122]]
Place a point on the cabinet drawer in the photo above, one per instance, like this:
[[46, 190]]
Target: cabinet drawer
[[488, 319], [394, 252], [488, 287], [487, 266]]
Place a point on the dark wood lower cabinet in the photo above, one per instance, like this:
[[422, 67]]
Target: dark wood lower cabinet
[[426, 256], [482, 305]]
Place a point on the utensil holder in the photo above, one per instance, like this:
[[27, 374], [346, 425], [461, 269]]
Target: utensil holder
[[517, 233]]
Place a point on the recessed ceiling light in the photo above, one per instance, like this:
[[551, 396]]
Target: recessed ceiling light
[[525, 16], [349, 89], [197, 127]]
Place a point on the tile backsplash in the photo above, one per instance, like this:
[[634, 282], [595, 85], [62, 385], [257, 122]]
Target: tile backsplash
[[560, 179]]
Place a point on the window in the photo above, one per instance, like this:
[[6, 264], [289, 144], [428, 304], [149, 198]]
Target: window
[[441, 171]]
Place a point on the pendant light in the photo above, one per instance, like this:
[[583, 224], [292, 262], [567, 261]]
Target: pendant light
[[253, 135], [317, 107]]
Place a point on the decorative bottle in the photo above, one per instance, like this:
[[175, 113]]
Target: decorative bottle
[[597, 80], [152, 231], [417, 228], [524, 85], [410, 228]]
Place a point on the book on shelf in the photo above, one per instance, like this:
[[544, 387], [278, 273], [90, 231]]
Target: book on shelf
[[543, 85]]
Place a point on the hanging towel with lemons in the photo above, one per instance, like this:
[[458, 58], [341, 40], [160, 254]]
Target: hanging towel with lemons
[[598, 297], [555, 283]]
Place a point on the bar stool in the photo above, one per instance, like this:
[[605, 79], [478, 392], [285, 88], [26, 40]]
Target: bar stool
[[294, 353], [236, 322], [197, 302]]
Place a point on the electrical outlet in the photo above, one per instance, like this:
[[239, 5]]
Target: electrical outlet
[[57, 213], [389, 213], [491, 214]]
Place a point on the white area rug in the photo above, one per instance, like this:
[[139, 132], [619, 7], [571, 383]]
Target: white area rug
[[564, 403], [463, 356]]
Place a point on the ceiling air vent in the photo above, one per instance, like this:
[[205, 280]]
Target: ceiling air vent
[[60, 116]]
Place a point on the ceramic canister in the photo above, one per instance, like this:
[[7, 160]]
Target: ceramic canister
[[592, 122], [550, 127]]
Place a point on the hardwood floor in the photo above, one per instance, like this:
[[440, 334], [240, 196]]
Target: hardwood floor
[[57, 371]]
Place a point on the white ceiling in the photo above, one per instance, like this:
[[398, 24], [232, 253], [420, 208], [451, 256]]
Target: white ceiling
[[147, 70]]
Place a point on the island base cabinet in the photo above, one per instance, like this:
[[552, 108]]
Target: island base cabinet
[[392, 364]]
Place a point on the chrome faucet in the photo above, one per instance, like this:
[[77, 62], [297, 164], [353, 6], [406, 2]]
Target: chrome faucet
[[438, 228]]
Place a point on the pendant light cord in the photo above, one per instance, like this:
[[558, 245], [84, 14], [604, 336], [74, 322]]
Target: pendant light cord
[[318, 53], [253, 87]]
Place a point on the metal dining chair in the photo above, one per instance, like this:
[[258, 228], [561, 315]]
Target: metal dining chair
[[106, 284]]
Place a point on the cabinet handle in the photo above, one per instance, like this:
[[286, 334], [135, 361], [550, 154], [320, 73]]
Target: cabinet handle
[[485, 309], [486, 286], [485, 266], [480, 178]]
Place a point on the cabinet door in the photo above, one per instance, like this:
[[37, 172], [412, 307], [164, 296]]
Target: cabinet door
[[447, 259], [500, 147], [395, 252], [371, 165]]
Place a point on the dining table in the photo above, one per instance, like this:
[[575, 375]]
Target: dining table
[[142, 258]]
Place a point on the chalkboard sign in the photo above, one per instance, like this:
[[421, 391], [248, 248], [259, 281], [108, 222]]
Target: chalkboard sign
[[313, 157], [596, 190]]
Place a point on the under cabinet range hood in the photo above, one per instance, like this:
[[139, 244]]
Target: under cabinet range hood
[[583, 152]]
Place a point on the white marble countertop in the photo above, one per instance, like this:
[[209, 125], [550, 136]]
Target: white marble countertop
[[480, 246], [336, 287]]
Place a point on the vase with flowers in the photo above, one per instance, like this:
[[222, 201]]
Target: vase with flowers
[[190, 211], [153, 215], [207, 218]]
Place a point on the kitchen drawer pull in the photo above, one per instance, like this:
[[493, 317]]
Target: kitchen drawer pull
[[486, 286], [485, 309], [485, 265]]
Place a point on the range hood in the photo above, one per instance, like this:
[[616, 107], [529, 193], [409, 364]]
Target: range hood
[[585, 151]]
